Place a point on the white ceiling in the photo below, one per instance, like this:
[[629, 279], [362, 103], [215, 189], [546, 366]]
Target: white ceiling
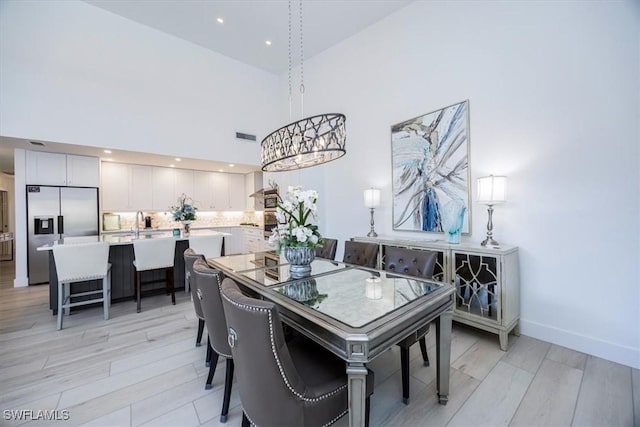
[[247, 24]]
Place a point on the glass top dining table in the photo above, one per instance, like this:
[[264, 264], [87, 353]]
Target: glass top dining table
[[355, 312]]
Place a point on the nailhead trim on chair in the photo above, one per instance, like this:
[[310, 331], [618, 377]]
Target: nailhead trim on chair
[[275, 355], [217, 276]]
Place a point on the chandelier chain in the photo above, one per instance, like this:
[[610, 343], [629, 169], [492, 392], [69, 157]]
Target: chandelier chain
[[301, 64], [290, 61]]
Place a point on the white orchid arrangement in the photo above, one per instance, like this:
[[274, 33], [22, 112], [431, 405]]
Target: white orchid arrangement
[[292, 214]]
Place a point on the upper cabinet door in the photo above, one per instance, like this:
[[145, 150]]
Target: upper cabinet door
[[115, 187], [203, 190], [183, 183], [237, 195], [46, 168], [83, 171], [141, 182], [163, 189], [220, 187]]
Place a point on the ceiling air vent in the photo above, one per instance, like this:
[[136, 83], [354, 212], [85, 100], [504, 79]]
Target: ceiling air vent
[[245, 136], [38, 143]]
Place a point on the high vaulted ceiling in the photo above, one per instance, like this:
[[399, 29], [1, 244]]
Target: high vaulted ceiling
[[249, 23]]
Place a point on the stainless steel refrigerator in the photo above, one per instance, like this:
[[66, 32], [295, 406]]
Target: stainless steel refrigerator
[[54, 213]]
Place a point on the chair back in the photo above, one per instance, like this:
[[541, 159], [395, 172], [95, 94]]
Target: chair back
[[151, 254], [210, 246], [411, 262], [271, 390], [190, 257], [207, 283], [360, 253], [328, 251], [83, 261]]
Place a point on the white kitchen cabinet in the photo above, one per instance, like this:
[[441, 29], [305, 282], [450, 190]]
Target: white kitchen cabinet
[[126, 187], [184, 183], [203, 190], [237, 195], [233, 244], [44, 168], [220, 191], [163, 189], [253, 239], [115, 187], [83, 171], [140, 183], [253, 183]]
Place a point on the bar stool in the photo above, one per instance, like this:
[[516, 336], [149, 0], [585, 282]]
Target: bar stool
[[81, 263], [154, 254], [207, 245]]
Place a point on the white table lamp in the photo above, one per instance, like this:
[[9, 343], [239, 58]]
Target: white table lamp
[[491, 191], [372, 201]]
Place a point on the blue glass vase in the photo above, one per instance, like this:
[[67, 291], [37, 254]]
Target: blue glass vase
[[452, 220]]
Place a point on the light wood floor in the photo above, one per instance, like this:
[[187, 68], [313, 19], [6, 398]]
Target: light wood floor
[[143, 369]]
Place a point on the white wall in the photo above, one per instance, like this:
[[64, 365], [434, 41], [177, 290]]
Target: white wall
[[554, 105], [74, 73]]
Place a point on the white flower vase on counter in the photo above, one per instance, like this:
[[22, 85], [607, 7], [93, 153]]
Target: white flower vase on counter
[[187, 228], [300, 259]]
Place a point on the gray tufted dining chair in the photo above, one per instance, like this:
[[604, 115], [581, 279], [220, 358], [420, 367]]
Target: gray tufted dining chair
[[284, 383], [420, 264], [360, 253], [207, 282], [328, 251]]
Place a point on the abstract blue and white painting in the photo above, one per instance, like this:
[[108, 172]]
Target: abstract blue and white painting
[[430, 160]]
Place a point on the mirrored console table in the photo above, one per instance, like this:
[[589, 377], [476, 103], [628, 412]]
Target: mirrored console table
[[487, 281]]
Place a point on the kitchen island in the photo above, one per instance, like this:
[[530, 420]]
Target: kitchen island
[[121, 258]]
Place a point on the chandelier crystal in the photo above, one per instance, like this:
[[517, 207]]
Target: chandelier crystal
[[306, 142]]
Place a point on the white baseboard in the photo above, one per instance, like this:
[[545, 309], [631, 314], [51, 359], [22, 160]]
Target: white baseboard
[[624, 355], [20, 282]]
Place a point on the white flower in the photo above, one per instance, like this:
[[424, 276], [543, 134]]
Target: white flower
[[295, 215]]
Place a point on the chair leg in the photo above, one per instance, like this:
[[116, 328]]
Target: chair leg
[[228, 383], [106, 294], [60, 300], [200, 331], [138, 289], [67, 296], [207, 361], [423, 348], [245, 420], [212, 368], [367, 409], [171, 285], [404, 362]]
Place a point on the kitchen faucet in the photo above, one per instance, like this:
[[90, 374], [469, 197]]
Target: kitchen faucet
[[137, 230]]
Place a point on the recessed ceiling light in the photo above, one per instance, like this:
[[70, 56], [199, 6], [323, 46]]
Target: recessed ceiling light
[[231, 165], [178, 159], [220, 170], [109, 159], [268, 42], [107, 151], [172, 166], [220, 21]]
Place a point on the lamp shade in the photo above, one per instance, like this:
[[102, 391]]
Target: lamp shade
[[492, 189], [371, 198]]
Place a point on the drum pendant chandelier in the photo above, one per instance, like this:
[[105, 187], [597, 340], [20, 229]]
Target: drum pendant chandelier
[[306, 142]]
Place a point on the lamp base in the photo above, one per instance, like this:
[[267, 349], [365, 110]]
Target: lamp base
[[489, 241], [372, 234]]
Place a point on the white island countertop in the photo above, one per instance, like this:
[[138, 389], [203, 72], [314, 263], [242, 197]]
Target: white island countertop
[[127, 238]]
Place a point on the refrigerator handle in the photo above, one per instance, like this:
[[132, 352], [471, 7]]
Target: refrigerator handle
[[60, 224]]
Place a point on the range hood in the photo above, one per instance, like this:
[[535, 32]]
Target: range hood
[[261, 193]]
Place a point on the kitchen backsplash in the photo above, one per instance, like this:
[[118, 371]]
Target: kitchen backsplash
[[205, 219]]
